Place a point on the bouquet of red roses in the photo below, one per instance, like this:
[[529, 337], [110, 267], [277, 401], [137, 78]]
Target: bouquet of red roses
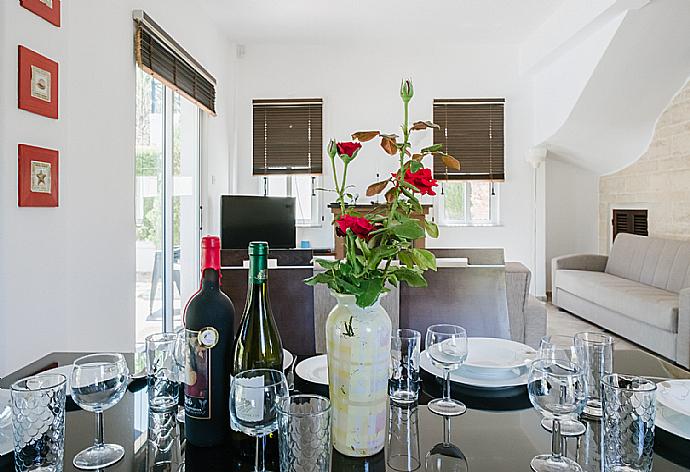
[[379, 245]]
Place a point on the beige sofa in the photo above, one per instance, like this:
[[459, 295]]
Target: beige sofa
[[640, 292]]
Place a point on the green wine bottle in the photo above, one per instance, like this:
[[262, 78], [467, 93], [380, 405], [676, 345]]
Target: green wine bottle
[[257, 343]]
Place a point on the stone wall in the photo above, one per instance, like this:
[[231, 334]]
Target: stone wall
[[659, 181]]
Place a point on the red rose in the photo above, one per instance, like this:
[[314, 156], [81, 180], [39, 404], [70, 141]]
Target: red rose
[[361, 227], [348, 149], [423, 180]]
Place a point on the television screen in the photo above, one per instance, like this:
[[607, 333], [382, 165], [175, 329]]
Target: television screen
[[246, 218]]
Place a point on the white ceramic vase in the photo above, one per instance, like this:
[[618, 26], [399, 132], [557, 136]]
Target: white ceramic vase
[[358, 346]]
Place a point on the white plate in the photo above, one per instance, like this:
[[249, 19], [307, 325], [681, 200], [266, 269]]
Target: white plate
[[671, 421], [497, 354], [675, 395], [314, 369], [288, 359], [511, 378]]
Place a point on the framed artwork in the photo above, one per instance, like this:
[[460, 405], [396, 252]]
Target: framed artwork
[[38, 177], [49, 10], [38, 83]]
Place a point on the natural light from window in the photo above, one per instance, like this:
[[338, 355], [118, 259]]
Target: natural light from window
[[467, 203]]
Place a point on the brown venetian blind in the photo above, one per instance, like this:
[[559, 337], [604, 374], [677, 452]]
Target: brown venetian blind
[[472, 131], [287, 136], [159, 55], [630, 221]]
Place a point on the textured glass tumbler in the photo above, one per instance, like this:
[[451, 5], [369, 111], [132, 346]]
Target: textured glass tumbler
[[38, 419], [304, 425], [629, 405], [162, 371], [402, 447], [595, 357], [403, 382], [163, 451]]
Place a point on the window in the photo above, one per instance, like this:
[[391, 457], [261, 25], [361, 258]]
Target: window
[[467, 203], [303, 188], [472, 131], [171, 90], [630, 221], [288, 152]]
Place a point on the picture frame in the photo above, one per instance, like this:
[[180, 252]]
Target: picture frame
[[49, 10], [38, 83], [38, 176]]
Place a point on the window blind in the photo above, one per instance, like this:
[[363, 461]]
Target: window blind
[[630, 221], [287, 136], [472, 131], [159, 55]]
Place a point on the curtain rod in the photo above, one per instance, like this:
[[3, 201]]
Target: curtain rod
[[140, 16]]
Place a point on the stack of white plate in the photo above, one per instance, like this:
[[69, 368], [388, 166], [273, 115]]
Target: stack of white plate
[[673, 407], [491, 363]]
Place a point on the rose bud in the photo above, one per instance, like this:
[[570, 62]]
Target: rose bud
[[348, 150], [332, 148], [406, 90]]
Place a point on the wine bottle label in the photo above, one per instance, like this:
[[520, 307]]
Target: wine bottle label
[[197, 394], [250, 405]]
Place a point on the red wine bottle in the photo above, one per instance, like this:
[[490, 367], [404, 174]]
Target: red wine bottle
[[209, 319]]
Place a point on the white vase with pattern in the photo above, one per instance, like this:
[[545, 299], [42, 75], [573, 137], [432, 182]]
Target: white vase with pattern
[[358, 345]]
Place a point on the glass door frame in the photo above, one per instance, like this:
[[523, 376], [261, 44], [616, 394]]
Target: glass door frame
[[167, 282]]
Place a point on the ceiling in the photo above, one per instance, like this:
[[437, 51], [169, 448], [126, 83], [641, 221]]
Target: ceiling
[[319, 21]]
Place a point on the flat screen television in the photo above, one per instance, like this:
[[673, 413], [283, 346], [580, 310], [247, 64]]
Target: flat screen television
[[246, 218]]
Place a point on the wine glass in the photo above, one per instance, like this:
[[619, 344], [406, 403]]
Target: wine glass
[[446, 346], [254, 398], [445, 456], [561, 348], [558, 388], [99, 381]]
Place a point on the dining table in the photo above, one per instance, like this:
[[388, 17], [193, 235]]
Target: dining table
[[499, 432]]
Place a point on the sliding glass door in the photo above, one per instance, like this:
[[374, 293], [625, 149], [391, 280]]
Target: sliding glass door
[[167, 205]]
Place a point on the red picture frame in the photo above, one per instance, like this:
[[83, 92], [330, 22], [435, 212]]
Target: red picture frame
[[38, 83], [38, 176], [49, 10]]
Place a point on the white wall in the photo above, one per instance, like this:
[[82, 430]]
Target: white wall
[[571, 211], [67, 274], [359, 85]]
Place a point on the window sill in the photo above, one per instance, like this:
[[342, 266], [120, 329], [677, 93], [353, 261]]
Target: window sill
[[308, 225], [470, 225]]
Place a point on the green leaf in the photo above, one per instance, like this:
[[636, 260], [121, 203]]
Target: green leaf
[[320, 278], [431, 228], [410, 229], [412, 277], [380, 253], [425, 259], [405, 257], [326, 264], [432, 148], [415, 166], [370, 291], [362, 245]]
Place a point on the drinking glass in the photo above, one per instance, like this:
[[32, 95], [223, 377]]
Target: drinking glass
[[557, 388], [629, 405], [445, 456], [446, 346], [162, 372], [561, 348], [402, 446], [38, 419], [99, 381], [304, 424], [403, 383], [254, 398], [180, 354], [595, 356], [163, 448]]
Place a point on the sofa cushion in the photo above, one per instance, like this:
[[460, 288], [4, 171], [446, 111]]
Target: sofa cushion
[[661, 263], [641, 302]]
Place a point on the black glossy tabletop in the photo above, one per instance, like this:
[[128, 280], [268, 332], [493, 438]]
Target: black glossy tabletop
[[500, 432]]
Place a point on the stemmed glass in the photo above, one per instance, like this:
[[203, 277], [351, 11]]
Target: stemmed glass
[[558, 388], [446, 346], [254, 399], [444, 456], [561, 348], [99, 381]]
